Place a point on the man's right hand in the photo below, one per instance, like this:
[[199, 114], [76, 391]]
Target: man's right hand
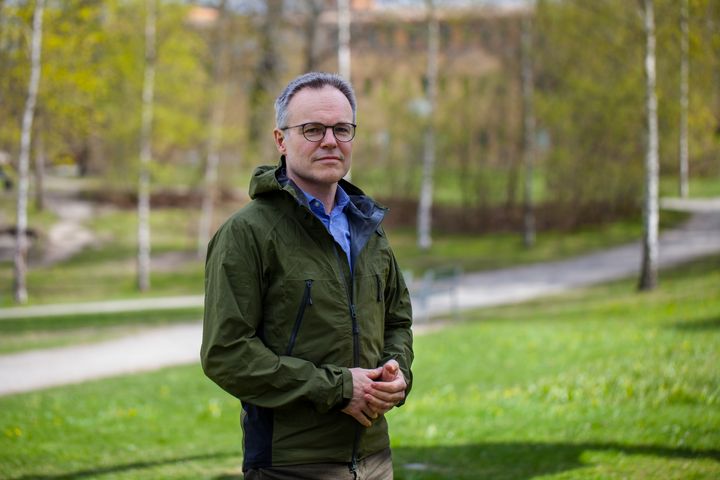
[[358, 407]]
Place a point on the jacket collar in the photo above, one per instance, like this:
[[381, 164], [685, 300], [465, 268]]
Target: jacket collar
[[364, 214]]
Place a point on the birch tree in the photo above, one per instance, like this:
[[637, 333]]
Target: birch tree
[[40, 161], [683, 154], [21, 243], [344, 65], [648, 274], [143, 232], [344, 59], [217, 117], [424, 215], [527, 86]]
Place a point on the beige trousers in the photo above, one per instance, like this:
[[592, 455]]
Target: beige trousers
[[377, 466]]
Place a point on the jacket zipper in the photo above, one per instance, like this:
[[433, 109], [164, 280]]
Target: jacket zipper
[[379, 287], [306, 300], [356, 351]]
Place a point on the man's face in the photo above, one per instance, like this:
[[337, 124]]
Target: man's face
[[316, 165]]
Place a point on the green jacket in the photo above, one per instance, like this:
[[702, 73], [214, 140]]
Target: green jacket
[[285, 319]]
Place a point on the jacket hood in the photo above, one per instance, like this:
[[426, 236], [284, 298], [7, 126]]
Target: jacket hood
[[264, 181]]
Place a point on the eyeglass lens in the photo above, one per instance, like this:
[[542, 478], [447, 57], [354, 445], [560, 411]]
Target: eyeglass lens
[[344, 132]]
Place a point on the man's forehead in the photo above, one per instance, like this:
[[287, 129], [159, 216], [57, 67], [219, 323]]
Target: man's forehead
[[325, 94]]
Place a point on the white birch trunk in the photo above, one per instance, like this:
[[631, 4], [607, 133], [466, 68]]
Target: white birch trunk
[[143, 253], [40, 171], [21, 243], [344, 65], [527, 85], [217, 119], [648, 274], [684, 188], [424, 219]]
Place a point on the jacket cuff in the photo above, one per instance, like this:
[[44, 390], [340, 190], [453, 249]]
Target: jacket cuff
[[347, 388]]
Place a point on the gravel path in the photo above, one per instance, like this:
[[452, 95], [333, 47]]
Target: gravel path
[[180, 344]]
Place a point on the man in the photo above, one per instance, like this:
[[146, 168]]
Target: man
[[307, 316]]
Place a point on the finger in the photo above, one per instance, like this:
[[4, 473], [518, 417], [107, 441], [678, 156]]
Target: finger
[[364, 421], [384, 395], [390, 400], [395, 386], [380, 406], [370, 413]]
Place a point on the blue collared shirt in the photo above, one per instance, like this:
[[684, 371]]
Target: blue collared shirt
[[337, 222]]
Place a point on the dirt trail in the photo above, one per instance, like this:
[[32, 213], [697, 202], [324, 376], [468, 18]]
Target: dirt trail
[[68, 235]]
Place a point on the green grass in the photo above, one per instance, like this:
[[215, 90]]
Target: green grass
[[601, 383], [699, 187]]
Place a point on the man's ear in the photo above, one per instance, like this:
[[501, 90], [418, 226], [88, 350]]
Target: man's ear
[[280, 141]]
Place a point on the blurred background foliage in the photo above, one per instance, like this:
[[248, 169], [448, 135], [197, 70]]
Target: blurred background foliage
[[233, 57], [589, 94]]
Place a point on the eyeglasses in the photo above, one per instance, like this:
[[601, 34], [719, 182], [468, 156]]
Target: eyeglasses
[[314, 132]]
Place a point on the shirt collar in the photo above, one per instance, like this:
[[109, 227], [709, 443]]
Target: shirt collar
[[341, 201]]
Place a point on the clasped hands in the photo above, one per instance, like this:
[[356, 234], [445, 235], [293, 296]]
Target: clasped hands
[[375, 392]]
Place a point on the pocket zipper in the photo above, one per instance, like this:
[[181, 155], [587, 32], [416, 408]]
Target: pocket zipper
[[306, 300]]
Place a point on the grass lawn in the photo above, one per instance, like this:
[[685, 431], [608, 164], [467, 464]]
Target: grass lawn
[[603, 383], [699, 187]]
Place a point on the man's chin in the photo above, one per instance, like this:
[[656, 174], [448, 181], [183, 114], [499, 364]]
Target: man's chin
[[331, 175]]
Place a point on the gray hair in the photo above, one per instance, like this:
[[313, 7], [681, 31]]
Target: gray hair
[[314, 80]]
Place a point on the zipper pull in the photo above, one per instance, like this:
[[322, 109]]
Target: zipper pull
[[308, 289], [353, 312]]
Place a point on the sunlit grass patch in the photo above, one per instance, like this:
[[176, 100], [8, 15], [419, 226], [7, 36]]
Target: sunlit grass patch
[[601, 383]]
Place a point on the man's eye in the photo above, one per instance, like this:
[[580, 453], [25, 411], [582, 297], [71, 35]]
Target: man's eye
[[313, 130], [342, 130]]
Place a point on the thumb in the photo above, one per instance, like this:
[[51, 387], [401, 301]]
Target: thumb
[[390, 370], [375, 373]]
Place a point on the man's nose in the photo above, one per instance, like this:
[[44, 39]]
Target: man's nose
[[329, 139]]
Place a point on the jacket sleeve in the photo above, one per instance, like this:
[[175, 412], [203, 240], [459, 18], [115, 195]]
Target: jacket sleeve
[[398, 324], [233, 354]]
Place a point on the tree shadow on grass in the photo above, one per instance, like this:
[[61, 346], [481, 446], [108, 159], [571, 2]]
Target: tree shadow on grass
[[515, 460], [704, 325], [126, 467], [497, 461]]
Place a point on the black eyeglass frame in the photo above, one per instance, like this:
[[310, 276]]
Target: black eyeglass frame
[[325, 127]]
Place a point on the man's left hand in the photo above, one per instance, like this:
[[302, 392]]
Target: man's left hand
[[389, 390]]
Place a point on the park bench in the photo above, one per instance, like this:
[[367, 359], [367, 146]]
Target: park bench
[[438, 284]]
